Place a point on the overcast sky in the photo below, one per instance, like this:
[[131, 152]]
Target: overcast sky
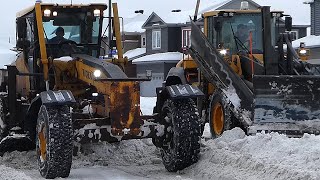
[[126, 8], [299, 11]]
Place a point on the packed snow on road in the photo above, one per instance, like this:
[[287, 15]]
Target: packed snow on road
[[233, 156]]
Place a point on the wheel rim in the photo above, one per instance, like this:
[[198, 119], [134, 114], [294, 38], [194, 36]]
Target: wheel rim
[[42, 144], [217, 119]]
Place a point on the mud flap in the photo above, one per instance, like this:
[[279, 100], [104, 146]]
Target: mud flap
[[286, 100]]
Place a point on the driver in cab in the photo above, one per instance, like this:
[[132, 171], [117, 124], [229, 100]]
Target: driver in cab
[[242, 33], [59, 36]]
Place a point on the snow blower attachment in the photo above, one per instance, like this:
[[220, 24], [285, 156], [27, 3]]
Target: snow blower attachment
[[61, 94], [264, 89]]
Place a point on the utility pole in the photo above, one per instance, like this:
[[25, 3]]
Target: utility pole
[[110, 32]]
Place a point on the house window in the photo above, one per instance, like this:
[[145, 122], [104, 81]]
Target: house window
[[186, 37], [144, 42], [156, 39]]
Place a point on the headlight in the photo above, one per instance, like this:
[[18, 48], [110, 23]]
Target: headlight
[[96, 12], [55, 13], [97, 73], [47, 13], [223, 52], [303, 52], [95, 94]]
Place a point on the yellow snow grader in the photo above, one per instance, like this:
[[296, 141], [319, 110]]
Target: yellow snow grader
[[60, 93], [249, 80]]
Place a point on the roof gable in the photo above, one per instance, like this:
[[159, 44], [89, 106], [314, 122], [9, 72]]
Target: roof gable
[[152, 20], [236, 4]]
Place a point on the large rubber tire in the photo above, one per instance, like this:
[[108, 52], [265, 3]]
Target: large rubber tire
[[182, 134], [220, 117], [54, 141]]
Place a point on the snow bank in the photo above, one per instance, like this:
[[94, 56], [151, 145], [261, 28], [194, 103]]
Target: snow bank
[[124, 153], [264, 156], [169, 56]]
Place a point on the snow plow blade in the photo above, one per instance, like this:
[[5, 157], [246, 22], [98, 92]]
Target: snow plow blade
[[291, 102], [17, 142], [219, 73]]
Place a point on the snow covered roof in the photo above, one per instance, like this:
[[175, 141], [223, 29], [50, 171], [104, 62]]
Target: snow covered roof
[[182, 17], [160, 57], [134, 23], [308, 1], [212, 5], [135, 52], [299, 11], [176, 17], [310, 41]]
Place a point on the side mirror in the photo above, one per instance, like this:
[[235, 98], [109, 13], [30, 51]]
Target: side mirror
[[288, 23]]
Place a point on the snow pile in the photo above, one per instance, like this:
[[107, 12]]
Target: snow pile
[[124, 153], [20, 160], [264, 156], [135, 52], [10, 174], [159, 57]]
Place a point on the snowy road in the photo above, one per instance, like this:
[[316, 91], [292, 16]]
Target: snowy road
[[233, 156]]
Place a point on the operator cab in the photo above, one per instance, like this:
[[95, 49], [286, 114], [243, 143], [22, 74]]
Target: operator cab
[[81, 27], [239, 34]]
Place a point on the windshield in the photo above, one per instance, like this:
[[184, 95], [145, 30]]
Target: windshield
[[238, 31], [77, 27]]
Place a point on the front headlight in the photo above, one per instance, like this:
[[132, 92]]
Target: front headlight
[[303, 52], [96, 13], [47, 13], [223, 52], [97, 73]]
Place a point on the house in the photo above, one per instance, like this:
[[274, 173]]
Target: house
[[133, 33], [315, 12], [164, 38]]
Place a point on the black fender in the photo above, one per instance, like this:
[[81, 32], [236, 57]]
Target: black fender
[[175, 87], [175, 76], [176, 91], [49, 98], [56, 98]]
